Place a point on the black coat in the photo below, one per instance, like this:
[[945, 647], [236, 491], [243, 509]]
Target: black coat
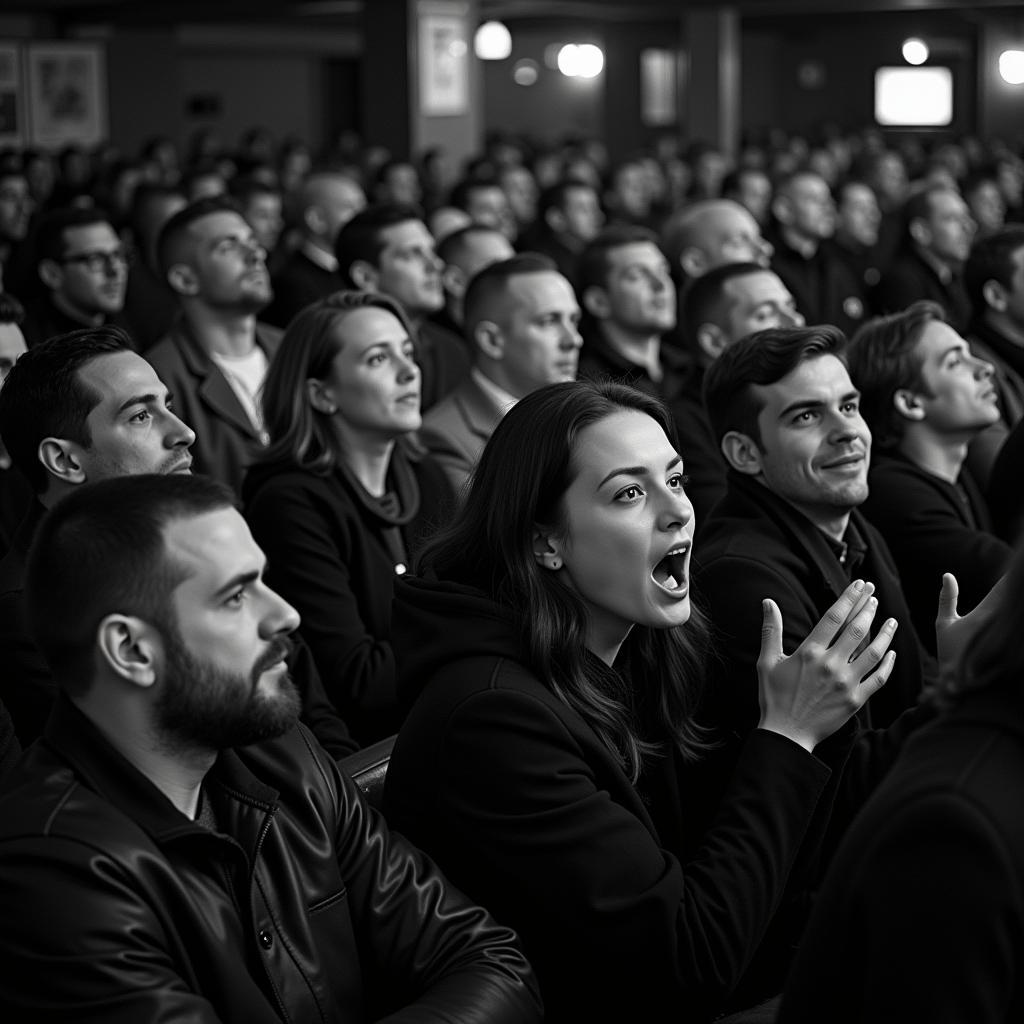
[[932, 526], [910, 279], [334, 555], [922, 915], [300, 906], [756, 545], [628, 906]]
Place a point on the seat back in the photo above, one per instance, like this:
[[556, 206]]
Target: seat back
[[368, 768]]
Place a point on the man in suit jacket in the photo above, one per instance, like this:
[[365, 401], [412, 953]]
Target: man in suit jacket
[[216, 358], [521, 318]]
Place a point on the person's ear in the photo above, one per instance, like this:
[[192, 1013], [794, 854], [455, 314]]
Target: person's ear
[[315, 221], [183, 279], [597, 303], [920, 232], [51, 274], [742, 453], [365, 276], [908, 405], [60, 458], [547, 548], [693, 261], [782, 209], [994, 295], [488, 337], [320, 397], [711, 340], [131, 648], [453, 280], [555, 219]]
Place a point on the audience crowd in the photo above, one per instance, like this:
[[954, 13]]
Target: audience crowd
[[650, 524]]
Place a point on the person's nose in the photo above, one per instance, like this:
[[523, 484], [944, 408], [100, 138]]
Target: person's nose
[[676, 510], [179, 433], [408, 368], [279, 617]]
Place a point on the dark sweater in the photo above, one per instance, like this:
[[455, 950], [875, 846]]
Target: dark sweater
[[333, 551]]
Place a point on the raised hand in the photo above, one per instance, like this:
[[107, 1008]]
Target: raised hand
[[808, 695], [954, 632]]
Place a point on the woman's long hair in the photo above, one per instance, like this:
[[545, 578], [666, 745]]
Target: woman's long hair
[[995, 656], [299, 434], [519, 483]]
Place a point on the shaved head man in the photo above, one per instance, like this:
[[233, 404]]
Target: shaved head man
[[711, 233]]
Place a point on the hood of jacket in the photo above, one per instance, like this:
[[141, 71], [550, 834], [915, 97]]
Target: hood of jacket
[[435, 622]]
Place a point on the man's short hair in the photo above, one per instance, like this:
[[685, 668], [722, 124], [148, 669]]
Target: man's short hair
[[44, 396], [991, 259], [11, 310], [169, 245], [49, 240], [246, 187], [454, 246], [487, 288], [101, 551], [762, 358], [362, 238], [594, 266], [703, 299], [920, 205], [882, 359]]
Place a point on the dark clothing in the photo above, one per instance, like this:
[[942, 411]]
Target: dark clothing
[[599, 361], [10, 748], [28, 689], [1005, 492], [150, 306], [540, 238], [922, 915], [910, 278], [703, 461], [628, 910], [226, 440], [443, 359], [756, 545], [863, 262], [298, 905], [298, 283], [825, 289], [45, 320], [932, 526], [16, 497], [1007, 359], [333, 552]]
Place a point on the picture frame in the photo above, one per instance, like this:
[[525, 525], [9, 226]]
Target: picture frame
[[443, 60], [12, 97], [67, 94]]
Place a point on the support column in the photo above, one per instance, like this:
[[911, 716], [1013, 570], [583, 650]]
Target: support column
[[421, 80], [712, 92]]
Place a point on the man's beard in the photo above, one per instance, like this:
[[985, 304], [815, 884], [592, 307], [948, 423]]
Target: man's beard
[[202, 706]]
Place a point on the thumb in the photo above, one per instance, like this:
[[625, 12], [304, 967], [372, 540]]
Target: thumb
[[947, 598], [771, 632]]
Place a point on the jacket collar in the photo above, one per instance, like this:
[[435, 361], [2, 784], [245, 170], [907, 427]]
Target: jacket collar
[[481, 414], [213, 388], [74, 739]]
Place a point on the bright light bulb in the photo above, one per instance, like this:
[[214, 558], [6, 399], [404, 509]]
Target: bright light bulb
[[1011, 66], [915, 51], [492, 41], [591, 60], [525, 72], [569, 60]]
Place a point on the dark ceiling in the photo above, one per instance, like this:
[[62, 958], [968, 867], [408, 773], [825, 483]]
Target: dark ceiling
[[315, 12]]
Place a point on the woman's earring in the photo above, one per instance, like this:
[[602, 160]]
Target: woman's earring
[[556, 562]]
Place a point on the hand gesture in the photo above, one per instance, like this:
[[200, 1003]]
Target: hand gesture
[[953, 632], [813, 692]]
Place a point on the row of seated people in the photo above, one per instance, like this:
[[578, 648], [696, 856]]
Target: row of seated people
[[556, 668], [525, 325]]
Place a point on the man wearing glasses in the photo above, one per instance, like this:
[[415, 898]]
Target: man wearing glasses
[[216, 357], [82, 271]]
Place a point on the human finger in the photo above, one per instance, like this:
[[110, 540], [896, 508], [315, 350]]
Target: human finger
[[856, 630], [948, 595], [771, 634], [874, 682], [875, 651], [826, 628]]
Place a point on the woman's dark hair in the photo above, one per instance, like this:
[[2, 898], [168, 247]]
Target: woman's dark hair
[[299, 434], [518, 484]]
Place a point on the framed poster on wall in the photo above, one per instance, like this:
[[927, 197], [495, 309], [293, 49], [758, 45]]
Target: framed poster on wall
[[12, 97], [443, 60], [67, 94]]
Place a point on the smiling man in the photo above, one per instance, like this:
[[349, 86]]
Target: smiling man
[[925, 398], [200, 856], [216, 358], [787, 418]]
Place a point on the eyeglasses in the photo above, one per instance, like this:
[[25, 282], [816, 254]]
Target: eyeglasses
[[106, 262]]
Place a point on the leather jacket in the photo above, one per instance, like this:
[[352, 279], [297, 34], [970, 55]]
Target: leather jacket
[[298, 905]]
